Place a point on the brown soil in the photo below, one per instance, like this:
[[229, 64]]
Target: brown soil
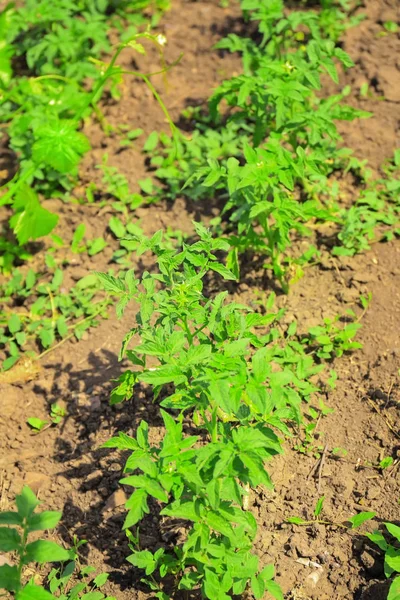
[[65, 465]]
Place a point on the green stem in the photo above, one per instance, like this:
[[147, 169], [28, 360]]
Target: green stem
[[22, 554]]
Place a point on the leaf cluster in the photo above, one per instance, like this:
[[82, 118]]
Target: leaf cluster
[[46, 313]]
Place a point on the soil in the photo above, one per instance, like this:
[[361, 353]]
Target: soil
[[65, 464]]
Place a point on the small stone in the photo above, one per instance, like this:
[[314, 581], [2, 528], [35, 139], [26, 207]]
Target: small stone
[[118, 498], [37, 481], [370, 563], [301, 545], [388, 76], [373, 493], [95, 403], [341, 556]]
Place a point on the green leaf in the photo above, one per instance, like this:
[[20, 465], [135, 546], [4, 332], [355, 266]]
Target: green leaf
[[296, 520], [36, 423], [9, 539], [26, 502], [59, 145], [197, 354], [117, 227], [151, 142], [43, 551], [359, 519], [220, 392], [111, 284], [78, 236], [14, 323], [222, 270], [96, 246], [152, 487], [319, 506], [162, 375], [100, 580], [218, 523], [257, 473], [184, 510], [378, 539], [392, 559], [30, 221], [274, 589], [44, 520], [143, 560], [137, 505], [34, 592], [10, 518], [212, 586], [123, 441], [9, 579], [258, 587], [268, 573], [394, 591], [394, 530]]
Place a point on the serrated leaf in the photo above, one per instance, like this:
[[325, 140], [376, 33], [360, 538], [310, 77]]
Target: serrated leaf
[[30, 221], [151, 486], [162, 375], [222, 270], [137, 505], [59, 145], [184, 510]]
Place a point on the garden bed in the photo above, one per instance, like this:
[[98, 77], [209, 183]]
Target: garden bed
[[65, 465]]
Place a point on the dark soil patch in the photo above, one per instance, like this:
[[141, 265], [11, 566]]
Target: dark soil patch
[[65, 464]]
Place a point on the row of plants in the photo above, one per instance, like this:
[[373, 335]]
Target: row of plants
[[231, 385]]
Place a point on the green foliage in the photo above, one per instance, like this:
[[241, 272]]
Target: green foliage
[[30, 220], [333, 340], [270, 142], [46, 312], [44, 116], [59, 39], [203, 488], [392, 555], [239, 380], [15, 530], [376, 213]]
